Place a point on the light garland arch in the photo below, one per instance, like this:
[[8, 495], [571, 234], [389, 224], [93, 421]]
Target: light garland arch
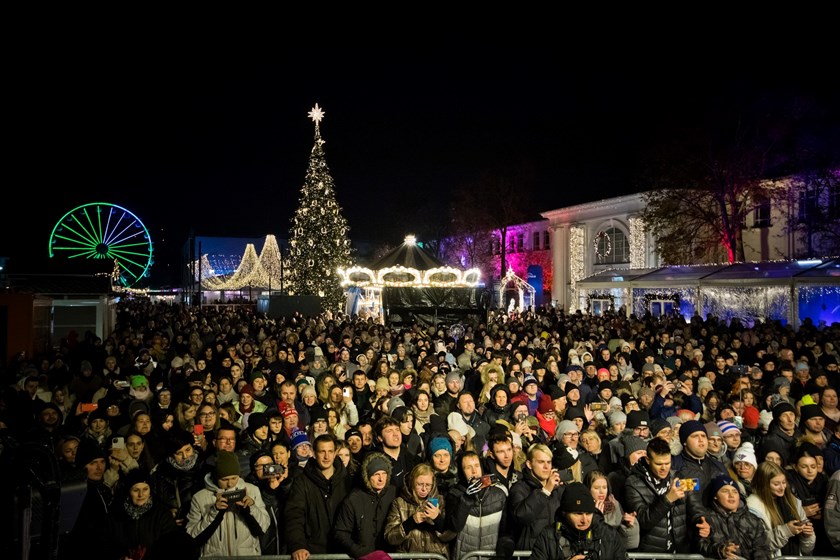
[[522, 287]]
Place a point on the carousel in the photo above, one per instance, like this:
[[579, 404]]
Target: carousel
[[410, 279]]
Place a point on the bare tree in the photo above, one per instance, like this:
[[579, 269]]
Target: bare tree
[[706, 181]]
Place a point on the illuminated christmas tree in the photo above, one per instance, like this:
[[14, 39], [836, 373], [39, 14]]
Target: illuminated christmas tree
[[318, 246]]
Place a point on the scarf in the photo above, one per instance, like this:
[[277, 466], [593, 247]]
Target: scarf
[[661, 488], [186, 466], [135, 512]]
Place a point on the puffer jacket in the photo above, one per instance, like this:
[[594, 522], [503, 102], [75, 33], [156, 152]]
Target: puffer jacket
[[741, 527], [478, 519], [530, 510], [229, 532], [704, 469], [360, 519], [311, 508], [600, 542], [651, 511], [405, 535]]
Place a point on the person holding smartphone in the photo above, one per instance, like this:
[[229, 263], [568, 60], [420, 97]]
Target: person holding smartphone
[[228, 516], [416, 518], [476, 507]]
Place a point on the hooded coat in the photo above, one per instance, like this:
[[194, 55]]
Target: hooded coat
[[360, 518], [231, 532], [405, 535]]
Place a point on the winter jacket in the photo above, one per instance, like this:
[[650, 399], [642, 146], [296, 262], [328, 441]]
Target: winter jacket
[[312, 506], [600, 542], [741, 527], [704, 469], [232, 532], [360, 519], [405, 535], [530, 510], [478, 519], [651, 511], [175, 486], [831, 511], [779, 441], [778, 536], [124, 533]]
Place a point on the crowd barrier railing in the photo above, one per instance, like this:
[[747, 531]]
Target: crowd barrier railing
[[489, 554]]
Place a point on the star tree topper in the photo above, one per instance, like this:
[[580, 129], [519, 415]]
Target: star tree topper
[[316, 114]]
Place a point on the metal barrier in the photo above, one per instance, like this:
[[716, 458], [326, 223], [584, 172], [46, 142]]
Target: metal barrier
[[484, 554], [476, 554], [394, 555]]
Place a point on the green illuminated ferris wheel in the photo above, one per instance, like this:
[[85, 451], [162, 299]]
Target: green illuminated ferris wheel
[[100, 230]]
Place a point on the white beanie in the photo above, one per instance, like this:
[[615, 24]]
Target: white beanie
[[617, 417], [745, 454]]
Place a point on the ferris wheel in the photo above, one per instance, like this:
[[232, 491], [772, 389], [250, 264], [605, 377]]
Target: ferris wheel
[[100, 230]]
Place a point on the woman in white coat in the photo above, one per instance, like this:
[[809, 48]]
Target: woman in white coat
[[789, 532]]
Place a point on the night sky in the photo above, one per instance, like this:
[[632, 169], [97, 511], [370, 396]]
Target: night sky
[[219, 141]]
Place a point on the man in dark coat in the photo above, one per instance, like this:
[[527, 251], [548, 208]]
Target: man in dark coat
[[652, 493], [361, 516], [695, 463], [580, 531], [535, 498], [313, 501]]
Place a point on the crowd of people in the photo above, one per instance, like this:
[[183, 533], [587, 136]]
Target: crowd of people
[[223, 432]]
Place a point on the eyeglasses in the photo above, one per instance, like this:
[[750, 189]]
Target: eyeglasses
[[572, 435]]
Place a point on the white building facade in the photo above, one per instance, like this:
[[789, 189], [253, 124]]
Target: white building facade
[[595, 236]]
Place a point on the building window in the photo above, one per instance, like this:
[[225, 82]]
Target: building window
[[662, 307], [611, 247], [761, 214], [808, 201], [599, 307], [834, 200], [520, 238], [536, 241], [546, 239]]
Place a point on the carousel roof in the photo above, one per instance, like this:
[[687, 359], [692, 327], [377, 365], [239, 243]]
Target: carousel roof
[[409, 255], [406, 266]]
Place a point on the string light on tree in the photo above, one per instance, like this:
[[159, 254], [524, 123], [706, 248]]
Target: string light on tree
[[318, 232]]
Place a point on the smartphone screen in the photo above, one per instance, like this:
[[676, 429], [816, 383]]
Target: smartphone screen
[[198, 429]]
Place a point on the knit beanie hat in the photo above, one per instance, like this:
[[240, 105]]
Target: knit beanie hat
[[382, 384], [257, 420], [139, 381], [439, 443], [712, 429], [657, 425], [88, 451], [689, 428], [227, 464], [576, 499], [719, 482], [727, 427], [781, 408], [632, 444], [377, 464], [808, 411], [454, 375], [745, 454], [618, 417], [299, 437], [563, 427], [136, 476]]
